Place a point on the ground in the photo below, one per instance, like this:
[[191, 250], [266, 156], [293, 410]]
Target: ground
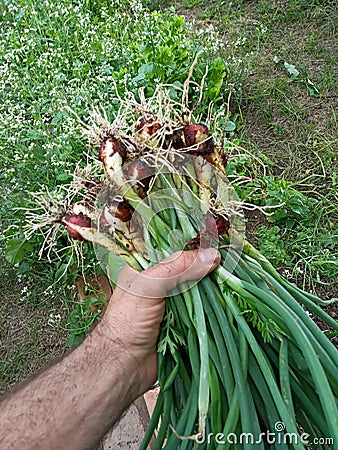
[[28, 340], [278, 119]]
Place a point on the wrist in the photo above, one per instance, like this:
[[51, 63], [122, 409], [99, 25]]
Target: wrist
[[117, 360]]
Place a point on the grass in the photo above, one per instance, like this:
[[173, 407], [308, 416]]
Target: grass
[[283, 117], [55, 53], [299, 129], [282, 61]]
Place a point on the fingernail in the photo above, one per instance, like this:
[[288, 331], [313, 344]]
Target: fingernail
[[209, 256]]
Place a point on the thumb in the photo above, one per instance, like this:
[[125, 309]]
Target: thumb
[[166, 275]]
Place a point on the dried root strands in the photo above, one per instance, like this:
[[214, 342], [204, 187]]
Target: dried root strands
[[87, 182], [92, 189], [100, 127]]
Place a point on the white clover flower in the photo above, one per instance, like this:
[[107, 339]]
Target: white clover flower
[[24, 290]]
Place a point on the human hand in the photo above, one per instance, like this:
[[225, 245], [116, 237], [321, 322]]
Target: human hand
[[136, 308], [91, 386]]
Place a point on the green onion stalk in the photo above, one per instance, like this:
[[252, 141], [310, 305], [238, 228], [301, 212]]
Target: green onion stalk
[[239, 355]]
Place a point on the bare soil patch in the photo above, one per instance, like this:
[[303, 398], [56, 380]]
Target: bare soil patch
[[27, 340]]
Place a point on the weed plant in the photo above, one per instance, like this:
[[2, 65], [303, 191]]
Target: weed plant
[[61, 53]]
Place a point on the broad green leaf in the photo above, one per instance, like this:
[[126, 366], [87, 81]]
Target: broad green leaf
[[146, 68], [312, 89], [16, 249], [61, 272], [115, 264], [63, 176], [139, 77], [230, 126], [291, 69]]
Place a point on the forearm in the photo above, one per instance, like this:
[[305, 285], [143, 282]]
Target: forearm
[[73, 403]]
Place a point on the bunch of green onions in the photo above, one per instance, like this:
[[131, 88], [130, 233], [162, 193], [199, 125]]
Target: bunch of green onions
[[241, 363]]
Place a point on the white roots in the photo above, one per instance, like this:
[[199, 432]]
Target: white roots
[[150, 129]]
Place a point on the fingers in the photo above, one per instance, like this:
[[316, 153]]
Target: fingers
[[166, 275], [181, 267]]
